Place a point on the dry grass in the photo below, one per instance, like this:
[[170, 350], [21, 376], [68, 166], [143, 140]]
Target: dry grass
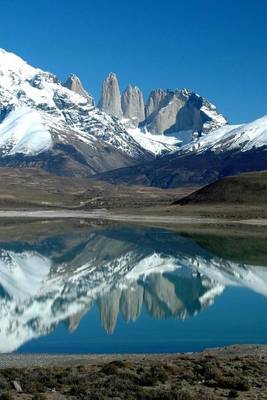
[[35, 188]]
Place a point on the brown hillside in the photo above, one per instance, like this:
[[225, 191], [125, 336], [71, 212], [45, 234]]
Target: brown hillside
[[247, 188]]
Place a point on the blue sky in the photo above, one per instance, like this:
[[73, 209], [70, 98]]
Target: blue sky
[[215, 47]]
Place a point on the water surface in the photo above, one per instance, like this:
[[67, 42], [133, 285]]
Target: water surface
[[119, 288]]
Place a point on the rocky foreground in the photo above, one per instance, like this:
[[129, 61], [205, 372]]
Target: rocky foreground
[[234, 372]]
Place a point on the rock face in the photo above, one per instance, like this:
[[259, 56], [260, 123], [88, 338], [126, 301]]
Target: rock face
[[110, 101], [132, 104], [189, 116], [154, 100], [164, 107], [180, 111], [73, 83]]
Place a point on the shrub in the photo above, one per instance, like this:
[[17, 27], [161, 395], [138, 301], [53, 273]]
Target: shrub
[[6, 396], [39, 396], [233, 394]]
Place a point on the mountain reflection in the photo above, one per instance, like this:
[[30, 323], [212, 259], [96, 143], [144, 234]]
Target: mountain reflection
[[124, 271]]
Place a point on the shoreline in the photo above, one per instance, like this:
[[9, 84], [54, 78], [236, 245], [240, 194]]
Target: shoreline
[[21, 360], [102, 214]]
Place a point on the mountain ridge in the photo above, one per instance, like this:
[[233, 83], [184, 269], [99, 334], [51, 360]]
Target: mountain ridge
[[230, 150], [48, 125]]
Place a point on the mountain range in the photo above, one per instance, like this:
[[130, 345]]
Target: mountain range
[[175, 138]]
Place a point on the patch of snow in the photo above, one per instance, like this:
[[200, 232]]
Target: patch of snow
[[183, 137], [154, 263]]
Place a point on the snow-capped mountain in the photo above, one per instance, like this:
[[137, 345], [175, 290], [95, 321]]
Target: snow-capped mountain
[[56, 126], [44, 122], [117, 268]]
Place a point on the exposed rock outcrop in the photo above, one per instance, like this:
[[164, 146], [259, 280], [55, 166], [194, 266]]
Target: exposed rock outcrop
[[132, 104], [73, 83], [180, 111], [190, 117], [154, 100], [165, 111], [110, 101]]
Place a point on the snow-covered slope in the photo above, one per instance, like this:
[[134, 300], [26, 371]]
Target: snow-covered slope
[[232, 137], [215, 119], [23, 131], [37, 114]]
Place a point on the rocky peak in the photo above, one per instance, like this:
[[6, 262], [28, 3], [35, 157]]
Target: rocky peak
[[110, 101], [73, 83], [132, 104], [161, 110], [154, 100], [180, 111]]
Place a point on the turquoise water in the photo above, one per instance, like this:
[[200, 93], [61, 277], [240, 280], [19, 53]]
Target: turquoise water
[[127, 290]]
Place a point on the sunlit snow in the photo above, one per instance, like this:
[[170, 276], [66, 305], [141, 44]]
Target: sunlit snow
[[23, 131]]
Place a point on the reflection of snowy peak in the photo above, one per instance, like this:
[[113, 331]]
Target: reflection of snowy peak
[[22, 274], [120, 270], [38, 114]]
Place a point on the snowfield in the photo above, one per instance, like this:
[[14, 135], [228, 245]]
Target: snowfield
[[155, 144]]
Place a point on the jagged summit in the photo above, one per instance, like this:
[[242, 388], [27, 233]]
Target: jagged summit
[[132, 104], [179, 113], [73, 83], [153, 101], [110, 100]]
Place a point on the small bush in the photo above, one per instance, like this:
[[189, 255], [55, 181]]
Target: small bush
[[6, 396], [39, 396], [233, 394], [184, 395], [77, 390]]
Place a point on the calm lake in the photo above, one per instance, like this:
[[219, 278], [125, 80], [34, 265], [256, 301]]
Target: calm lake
[[127, 289]]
